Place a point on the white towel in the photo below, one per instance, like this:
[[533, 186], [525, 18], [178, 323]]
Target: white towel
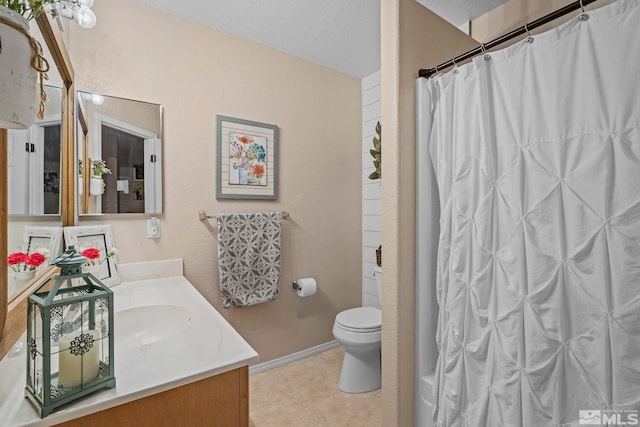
[[249, 257]]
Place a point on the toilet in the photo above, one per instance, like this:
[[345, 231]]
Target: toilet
[[359, 331]]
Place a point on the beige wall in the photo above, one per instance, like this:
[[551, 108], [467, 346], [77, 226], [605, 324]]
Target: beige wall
[[196, 73], [413, 38], [516, 13]]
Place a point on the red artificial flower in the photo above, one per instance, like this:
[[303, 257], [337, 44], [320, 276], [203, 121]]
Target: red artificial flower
[[258, 170], [91, 253], [245, 139], [17, 258], [35, 259]]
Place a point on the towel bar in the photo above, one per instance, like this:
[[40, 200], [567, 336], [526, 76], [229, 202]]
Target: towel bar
[[202, 215]]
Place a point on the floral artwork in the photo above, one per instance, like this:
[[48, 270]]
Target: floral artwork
[[95, 242], [247, 159]]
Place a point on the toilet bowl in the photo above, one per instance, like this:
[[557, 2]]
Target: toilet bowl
[[359, 331]]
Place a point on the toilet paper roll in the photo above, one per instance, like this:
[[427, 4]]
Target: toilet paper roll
[[306, 287]]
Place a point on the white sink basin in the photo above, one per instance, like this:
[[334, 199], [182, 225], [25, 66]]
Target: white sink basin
[[149, 324]]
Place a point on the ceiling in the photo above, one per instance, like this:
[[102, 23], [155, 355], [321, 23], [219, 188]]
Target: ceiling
[[340, 34]]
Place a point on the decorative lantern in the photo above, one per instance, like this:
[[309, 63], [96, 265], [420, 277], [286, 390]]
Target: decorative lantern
[[69, 336]]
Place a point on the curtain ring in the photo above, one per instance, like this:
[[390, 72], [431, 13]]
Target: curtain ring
[[529, 38], [455, 66], [584, 16]]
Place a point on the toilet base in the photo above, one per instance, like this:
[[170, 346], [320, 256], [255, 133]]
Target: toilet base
[[360, 371]]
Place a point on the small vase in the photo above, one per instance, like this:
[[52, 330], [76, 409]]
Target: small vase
[[25, 275], [92, 268], [96, 186], [18, 89], [242, 176]]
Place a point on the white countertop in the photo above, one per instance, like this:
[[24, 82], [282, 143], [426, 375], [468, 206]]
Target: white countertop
[[195, 342]]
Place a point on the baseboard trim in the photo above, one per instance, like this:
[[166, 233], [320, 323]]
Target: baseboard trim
[[261, 367]]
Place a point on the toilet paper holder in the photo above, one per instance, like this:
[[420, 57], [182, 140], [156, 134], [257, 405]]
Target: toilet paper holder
[[305, 287]]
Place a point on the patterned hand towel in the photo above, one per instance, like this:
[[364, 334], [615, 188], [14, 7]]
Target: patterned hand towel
[[249, 257]]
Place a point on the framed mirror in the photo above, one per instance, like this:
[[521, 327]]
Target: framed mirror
[[50, 178], [34, 172], [119, 155]]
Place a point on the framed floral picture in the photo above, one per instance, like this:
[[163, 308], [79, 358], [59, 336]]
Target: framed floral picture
[[37, 239], [247, 159], [95, 242]]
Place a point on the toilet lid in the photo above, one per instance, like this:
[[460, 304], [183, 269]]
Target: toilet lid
[[362, 319]]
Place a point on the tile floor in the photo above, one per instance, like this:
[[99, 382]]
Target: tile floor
[[305, 393]]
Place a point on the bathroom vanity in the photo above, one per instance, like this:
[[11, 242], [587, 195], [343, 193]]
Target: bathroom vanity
[[177, 361]]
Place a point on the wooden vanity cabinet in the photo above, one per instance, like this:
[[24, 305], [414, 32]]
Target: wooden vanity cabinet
[[218, 401]]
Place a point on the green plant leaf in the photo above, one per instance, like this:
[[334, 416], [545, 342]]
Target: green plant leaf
[[376, 144], [376, 152]]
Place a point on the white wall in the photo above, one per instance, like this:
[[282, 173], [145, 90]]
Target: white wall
[[371, 189]]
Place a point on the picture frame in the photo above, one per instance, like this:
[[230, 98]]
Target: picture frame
[[247, 159], [100, 237], [37, 237], [138, 170]]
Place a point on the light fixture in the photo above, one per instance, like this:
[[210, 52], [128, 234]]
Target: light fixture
[[79, 11], [97, 99]]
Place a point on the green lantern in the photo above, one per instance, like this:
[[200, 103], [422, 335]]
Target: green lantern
[[69, 336]]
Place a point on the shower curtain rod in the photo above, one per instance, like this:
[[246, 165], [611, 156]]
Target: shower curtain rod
[[506, 37]]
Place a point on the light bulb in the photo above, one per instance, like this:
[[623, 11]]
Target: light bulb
[[85, 18], [97, 99]]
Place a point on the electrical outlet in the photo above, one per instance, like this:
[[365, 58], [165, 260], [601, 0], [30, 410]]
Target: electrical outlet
[[153, 228]]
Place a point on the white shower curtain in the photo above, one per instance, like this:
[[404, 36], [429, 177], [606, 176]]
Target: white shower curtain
[[536, 152]]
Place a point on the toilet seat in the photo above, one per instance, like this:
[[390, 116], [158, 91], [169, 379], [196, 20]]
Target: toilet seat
[[360, 320]]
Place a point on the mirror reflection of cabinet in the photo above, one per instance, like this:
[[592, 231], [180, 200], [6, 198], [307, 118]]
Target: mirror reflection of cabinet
[[34, 162], [127, 136]]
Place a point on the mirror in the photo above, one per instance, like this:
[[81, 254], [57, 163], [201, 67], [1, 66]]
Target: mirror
[[34, 172], [13, 313], [119, 155]]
